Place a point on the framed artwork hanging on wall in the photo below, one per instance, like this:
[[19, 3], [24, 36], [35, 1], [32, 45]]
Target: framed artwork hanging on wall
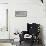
[[20, 13]]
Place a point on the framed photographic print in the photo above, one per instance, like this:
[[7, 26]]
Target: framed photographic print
[[20, 13]]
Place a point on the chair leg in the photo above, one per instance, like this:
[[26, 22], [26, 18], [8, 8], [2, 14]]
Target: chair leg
[[32, 42], [20, 42]]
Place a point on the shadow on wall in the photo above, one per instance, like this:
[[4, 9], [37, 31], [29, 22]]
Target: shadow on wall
[[41, 34]]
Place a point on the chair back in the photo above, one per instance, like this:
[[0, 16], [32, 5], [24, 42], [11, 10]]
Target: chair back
[[33, 28]]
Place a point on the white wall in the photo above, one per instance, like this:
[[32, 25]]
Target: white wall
[[3, 1], [3, 21], [3, 34], [35, 13]]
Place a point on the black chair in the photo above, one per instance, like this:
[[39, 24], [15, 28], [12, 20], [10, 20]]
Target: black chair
[[32, 29]]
